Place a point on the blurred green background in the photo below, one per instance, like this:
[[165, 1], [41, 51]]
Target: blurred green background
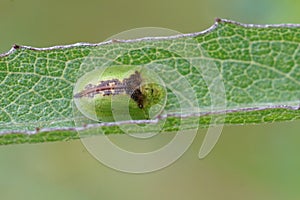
[[249, 162]]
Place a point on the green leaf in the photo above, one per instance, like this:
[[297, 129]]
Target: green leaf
[[229, 74]]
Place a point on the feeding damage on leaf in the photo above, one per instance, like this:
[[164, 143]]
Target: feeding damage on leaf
[[119, 93]]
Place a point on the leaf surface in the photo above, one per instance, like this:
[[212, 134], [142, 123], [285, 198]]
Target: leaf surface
[[229, 74]]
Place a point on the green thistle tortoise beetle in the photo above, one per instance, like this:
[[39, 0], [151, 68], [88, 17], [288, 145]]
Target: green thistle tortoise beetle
[[120, 93]]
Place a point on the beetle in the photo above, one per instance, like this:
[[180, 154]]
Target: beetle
[[119, 93]]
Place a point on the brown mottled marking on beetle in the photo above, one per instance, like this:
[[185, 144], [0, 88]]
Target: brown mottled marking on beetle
[[129, 86]]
